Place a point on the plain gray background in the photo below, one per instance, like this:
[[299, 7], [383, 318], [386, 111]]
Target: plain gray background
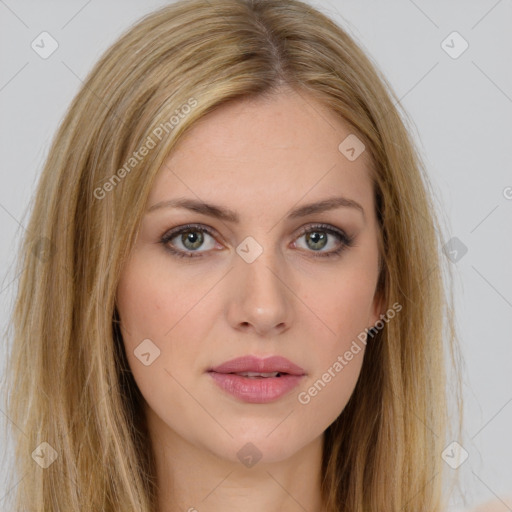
[[462, 111]]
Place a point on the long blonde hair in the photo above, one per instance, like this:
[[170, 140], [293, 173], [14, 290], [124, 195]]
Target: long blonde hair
[[69, 382]]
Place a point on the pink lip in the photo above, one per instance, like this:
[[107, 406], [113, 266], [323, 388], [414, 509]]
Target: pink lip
[[256, 364], [257, 390]]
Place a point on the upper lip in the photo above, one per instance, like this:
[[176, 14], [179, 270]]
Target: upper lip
[[256, 364]]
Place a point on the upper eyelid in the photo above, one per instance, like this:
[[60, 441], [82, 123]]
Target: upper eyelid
[[205, 227], [199, 227]]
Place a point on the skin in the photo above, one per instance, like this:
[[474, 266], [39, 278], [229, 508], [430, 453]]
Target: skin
[[499, 505], [260, 158]]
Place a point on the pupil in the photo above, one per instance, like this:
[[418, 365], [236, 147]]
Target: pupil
[[191, 237], [317, 238]]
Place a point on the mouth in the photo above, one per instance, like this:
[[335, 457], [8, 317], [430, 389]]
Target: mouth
[[252, 366], [255, 380], [256, 375]]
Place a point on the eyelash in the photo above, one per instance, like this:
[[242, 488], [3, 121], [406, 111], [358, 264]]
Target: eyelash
[[345, 240]]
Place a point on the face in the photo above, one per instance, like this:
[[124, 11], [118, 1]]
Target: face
[[268, 278]]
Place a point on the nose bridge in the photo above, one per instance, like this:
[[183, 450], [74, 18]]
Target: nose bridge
[[259, 266], [260, 297]]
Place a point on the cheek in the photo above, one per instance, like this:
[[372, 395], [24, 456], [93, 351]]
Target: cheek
[[342, 306], [326, 394], [166, 311], [338, 355], [342, 310], [159, 325], [152, 304]]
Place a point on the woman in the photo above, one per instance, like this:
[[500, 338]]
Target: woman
[[233, 289]]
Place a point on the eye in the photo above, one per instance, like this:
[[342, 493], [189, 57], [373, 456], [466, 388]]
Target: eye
[[189, 239], [185, 241], [319, 236]]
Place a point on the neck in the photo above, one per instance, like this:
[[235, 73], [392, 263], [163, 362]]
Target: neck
[[193, 479]]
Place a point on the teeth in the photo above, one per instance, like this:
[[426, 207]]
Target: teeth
[[256, 375]]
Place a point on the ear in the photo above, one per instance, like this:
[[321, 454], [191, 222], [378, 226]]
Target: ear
[[377, 308]]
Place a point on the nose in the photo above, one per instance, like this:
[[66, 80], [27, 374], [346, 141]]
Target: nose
[[260, 298]]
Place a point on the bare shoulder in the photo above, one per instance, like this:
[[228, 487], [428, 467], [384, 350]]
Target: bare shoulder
[[498, 505]]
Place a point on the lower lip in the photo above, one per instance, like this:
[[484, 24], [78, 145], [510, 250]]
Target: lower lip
[[256, 390]]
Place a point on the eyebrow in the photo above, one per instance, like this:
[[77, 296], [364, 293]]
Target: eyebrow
[[228, 215]]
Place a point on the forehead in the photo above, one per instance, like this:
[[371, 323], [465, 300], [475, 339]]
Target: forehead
[[258, 152]]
